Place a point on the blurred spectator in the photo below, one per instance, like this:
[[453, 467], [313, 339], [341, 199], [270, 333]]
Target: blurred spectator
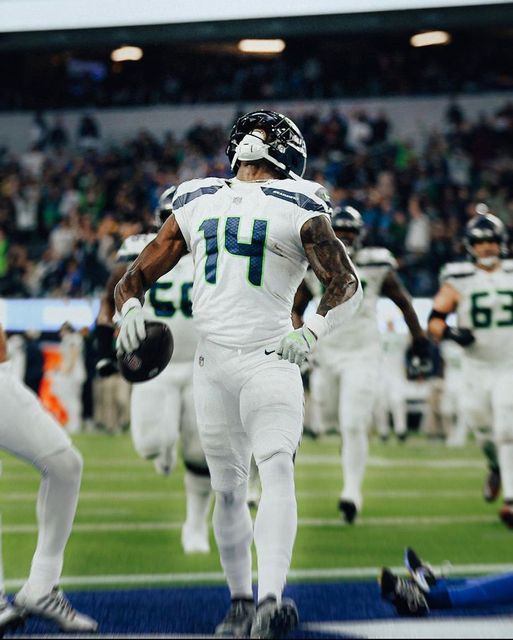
[[88, 133], [58, 137]]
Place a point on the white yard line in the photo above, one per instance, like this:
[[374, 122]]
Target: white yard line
[[218, 576], [149, 495], [388, 521]]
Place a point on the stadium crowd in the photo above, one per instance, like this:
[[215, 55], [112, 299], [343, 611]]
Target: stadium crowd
[[64, 203]]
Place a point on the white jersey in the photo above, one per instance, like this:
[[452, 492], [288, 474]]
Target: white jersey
[[361, 335], [170, 299], [485, 307], [248, 256]]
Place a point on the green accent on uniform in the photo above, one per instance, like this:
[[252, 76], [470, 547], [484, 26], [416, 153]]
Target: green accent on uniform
[[483, 315], [508, 322], [167, 308]]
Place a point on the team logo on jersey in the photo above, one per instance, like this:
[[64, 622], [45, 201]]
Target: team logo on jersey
[[133, 362]]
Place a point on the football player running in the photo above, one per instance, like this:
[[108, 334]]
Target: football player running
[[31, 434], [162, 409], [251, 238], [481, 294], [344, 379]]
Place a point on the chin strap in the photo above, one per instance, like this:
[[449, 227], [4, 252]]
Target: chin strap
[[252, 147]]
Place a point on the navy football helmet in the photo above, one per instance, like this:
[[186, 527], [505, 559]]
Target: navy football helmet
[[350, 220], [270, 136], [164, 208], [485, 226]]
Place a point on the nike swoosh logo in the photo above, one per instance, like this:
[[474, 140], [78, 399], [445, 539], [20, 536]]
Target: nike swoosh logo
[[268, 353]]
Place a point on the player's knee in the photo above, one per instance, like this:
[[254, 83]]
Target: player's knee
[[66, 465], [277, 473], [353, 427], [231, 520]]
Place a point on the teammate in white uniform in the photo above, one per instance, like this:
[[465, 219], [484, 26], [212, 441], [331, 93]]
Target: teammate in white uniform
[[481, 293], [30, 433], [344, 380], [392, 385], [162, 409], [452, 405], [250, 238]]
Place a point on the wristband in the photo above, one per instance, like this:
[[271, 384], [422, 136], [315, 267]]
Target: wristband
[[318, 325], [131, 303]]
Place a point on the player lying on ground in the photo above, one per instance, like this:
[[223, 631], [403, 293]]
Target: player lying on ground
[[251, 238], [345, 376], [481, 294], [162, 409], [422, 591], [30, 433]]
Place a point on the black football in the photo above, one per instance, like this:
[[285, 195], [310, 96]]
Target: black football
[[152, 356]]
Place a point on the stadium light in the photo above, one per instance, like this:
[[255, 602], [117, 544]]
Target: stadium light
[[261, 46], [430, 38], [126, 54]]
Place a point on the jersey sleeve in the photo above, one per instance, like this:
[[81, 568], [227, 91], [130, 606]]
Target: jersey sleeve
[[377, 257], [132, 247], [456, 274], [312, 200]]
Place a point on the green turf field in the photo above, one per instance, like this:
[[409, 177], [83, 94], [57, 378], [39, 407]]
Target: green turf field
[[128, 520]]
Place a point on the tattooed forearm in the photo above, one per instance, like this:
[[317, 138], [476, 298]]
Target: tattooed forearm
[[330, 262]]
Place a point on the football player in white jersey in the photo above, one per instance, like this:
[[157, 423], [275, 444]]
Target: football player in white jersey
[[481, 294], [344, 380], [31, 434], [251, 239], [162, 409]]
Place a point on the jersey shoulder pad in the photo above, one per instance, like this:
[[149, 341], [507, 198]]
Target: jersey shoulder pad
[[307, 195], [375, 257], [133, 245], [457, 271], [192, 189], [507, 265]]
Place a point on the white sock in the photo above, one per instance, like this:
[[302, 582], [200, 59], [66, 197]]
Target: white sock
[[197, 493], [56, 507], [355, 447], [505, 455], [233, 530], [275, 524]]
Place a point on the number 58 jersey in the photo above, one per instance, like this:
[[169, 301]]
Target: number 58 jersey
[[248, 256], [170, 299], [485, 307]]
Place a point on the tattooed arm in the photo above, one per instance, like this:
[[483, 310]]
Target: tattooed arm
[[342, 296], [331, 264], [156, 259]]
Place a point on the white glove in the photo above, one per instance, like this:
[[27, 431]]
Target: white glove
[[132, 329], [296, 345]]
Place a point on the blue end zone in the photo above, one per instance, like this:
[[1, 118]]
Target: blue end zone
[[197, 610]]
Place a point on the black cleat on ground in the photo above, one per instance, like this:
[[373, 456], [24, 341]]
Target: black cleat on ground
[[273, 620], [402, 437], [421, 572], [237, 622], [348, 510], [405, 595], [11, 618]]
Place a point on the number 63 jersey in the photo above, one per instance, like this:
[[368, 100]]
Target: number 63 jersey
[[170, 299], [485, 307], [245, 239]]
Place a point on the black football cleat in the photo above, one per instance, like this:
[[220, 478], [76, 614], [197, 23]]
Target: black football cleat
[[273, 620], [405, 595], [348, 510], [421, 572], [237, 622]]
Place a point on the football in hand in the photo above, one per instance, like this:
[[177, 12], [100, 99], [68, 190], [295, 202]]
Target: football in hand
[[152, 356]]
